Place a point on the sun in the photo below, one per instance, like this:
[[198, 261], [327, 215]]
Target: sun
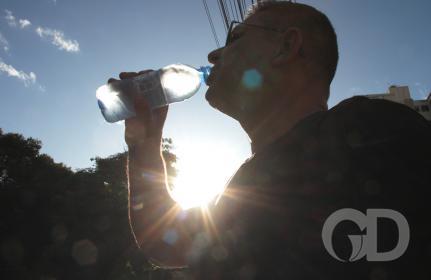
[[203, 168]]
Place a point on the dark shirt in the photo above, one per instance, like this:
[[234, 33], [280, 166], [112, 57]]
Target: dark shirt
[[361, 154]]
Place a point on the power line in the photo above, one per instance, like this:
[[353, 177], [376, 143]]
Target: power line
[[240, 9], [226, 8], [232, 10], [229, 10], [211, 23], [221, 13], [236, 11], [224, 14]]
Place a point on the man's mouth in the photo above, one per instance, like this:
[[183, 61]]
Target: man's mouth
[[211, 77], [209, 80]]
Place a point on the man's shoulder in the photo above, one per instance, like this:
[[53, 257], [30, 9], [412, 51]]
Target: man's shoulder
[[354, 122], [374, 117], [375, 111]]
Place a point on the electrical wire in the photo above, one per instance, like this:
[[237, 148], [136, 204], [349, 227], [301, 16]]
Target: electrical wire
[[226, 8], [211, 23], [236, 11], [232, 11], [224, 14], [240, 10], [221, 13]]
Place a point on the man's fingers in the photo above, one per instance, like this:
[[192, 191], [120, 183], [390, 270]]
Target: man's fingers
[[112, 80], [144, 71], [128, 75]]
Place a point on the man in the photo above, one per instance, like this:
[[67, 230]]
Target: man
[[273, 76]]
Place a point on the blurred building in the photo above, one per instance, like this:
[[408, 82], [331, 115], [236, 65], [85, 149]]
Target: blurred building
[[401, 94]]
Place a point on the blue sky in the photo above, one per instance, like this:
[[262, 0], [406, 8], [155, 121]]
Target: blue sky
[[54, 55]]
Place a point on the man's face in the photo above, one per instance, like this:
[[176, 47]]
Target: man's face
[[242, 70]]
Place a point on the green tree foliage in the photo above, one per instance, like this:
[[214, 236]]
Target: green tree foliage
[[56, 223]]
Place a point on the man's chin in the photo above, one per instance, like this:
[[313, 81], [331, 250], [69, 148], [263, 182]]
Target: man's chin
[[218, 103], [210, 96], [214, 99]]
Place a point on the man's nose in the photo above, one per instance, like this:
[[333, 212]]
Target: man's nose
[[214, 56]]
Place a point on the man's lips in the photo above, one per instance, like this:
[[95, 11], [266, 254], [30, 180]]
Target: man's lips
[[210, 78]]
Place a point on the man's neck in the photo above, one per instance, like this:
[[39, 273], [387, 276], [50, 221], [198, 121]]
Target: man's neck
[[277, 123]]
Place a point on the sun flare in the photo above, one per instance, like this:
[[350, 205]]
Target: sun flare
[[203, 171]]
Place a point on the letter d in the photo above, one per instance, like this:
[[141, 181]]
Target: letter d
[[371, 242]]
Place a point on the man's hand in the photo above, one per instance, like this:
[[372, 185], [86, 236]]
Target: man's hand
[[152, 211], [148, 124], [149, 201]]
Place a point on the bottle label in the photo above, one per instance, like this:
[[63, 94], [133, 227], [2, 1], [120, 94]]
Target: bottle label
[[149, 86]]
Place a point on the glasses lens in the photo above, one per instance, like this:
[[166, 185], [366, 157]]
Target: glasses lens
[[233, 25]]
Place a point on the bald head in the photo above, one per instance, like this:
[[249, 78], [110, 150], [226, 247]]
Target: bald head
[[320, 40]]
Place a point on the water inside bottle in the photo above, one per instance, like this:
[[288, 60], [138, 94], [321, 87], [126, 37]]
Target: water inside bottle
[[179, 82], [173, 83], [114, 107]]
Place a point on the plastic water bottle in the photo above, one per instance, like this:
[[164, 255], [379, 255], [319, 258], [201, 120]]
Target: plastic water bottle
[[173, 83]]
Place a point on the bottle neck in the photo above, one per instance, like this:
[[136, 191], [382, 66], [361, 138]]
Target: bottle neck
[[204, 72]]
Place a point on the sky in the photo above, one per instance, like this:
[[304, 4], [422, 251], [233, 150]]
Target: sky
[[55, 54]]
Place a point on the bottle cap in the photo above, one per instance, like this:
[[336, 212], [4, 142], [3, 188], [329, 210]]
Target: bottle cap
[[204, 73]]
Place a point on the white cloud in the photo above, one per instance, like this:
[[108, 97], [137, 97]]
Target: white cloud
[[4, 44], [10, 18], [58, 39], [28, 79], [12, 21], [23, 23]]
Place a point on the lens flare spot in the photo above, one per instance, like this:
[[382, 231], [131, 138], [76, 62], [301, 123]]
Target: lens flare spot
[[84, 252], [252, 79], [170, 237], [59, 233]]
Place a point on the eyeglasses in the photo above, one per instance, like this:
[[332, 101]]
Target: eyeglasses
[[234, 24]]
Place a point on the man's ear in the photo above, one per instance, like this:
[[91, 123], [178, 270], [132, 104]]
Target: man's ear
[[290, 46]]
